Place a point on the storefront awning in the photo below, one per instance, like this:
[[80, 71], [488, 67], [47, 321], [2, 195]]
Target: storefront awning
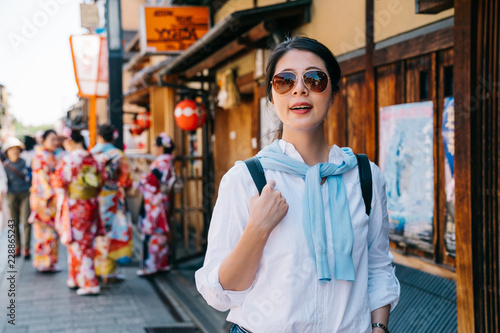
[[242, 27], [236, 32]]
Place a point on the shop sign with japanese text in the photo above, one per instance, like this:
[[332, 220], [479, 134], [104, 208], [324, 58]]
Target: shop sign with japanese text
[[172, 29]]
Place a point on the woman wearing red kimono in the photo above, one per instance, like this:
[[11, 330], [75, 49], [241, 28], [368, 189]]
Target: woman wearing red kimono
[[154, 218], [116, 246], [43, 203], [78, 181]]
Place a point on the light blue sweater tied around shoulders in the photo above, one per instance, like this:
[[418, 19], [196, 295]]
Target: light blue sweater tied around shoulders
[[313, 218]]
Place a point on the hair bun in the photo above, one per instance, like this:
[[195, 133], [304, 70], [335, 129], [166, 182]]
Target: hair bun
[[166, 140], [107, 132]]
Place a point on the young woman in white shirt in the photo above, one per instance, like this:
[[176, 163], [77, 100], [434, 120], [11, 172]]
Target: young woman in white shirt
[[303, 256]]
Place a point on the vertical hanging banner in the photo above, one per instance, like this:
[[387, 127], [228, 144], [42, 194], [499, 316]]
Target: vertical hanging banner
[[448, 132], [90, 62], [167, 30], [406, 159]]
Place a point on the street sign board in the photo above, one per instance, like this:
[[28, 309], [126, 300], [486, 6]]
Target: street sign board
[[167, 30], [89, 15]]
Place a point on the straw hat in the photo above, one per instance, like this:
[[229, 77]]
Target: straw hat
[[12, 142]]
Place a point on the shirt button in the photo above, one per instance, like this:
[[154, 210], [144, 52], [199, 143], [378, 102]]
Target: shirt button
[[320, 310]]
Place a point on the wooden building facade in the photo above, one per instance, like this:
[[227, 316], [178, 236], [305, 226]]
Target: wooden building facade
[[388, 53], [391, 52], [477, 91]]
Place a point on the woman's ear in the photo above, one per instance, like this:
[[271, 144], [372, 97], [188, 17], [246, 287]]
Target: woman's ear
[[332, 100]]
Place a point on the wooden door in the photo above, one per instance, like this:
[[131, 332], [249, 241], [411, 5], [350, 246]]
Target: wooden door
[[422, 78], [233, 136], [356, 121]]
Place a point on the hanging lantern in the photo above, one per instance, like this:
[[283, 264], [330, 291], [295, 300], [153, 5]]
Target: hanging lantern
[[189, 115], [135, 129], [144, 120]]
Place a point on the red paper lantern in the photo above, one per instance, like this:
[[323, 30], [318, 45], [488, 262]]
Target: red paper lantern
[[189, 115], [135, 129], [144, 119]]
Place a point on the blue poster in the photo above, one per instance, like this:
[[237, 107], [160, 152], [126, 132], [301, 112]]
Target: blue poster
[[406, 159], [448, 132]]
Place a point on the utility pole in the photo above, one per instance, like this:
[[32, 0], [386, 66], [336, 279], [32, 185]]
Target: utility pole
[[115, 56]]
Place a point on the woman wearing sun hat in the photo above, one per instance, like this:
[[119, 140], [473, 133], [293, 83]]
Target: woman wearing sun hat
[[19, 184]]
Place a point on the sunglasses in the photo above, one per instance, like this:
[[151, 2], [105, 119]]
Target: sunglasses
[[315, 81]]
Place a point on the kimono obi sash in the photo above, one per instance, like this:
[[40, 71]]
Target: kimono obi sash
[[87, 184], [83, 192]]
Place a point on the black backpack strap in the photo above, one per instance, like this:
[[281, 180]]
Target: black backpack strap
[[257, 172], [365, 178]]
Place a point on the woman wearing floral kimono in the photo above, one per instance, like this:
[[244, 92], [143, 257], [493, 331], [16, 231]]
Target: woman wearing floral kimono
[[116, 246], [154, 217], [78, 181], [43, 205]]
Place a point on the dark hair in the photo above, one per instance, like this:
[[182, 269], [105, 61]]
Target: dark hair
[[47, 133], [77, 137], [304, 44], [106, 131], [166, 150], [29, 142]]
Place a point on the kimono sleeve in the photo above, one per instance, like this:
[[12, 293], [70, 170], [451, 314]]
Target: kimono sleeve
[[4, 211], [125, 179], [41, 170], [3, 180], [62, 175], [230, 216]]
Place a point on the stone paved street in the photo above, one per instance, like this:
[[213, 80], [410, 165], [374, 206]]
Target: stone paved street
[[44, 303]]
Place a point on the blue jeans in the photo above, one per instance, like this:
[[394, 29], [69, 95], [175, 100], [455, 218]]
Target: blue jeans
[[238, 329]]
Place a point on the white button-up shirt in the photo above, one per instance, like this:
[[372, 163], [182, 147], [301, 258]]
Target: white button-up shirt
[[286, 295]]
